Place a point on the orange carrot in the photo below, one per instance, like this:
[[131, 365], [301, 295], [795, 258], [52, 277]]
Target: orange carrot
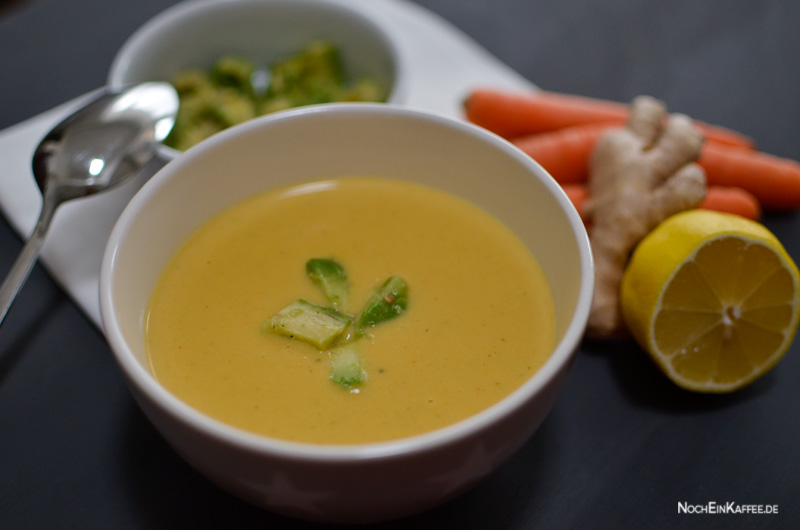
[[773, 180], [732, 200], [578, 194], [511, 114], [564, 153], [718, 198]]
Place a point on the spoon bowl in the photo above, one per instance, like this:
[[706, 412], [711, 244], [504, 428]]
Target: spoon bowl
[[101, 145], [106, 140]]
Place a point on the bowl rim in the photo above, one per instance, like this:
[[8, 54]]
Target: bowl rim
[[138, 375], [177, 13]]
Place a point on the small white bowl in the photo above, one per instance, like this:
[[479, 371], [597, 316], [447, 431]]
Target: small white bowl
[[195, 33], [357, 483]]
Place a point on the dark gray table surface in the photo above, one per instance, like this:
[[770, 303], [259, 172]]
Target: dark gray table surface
[[622, 446]]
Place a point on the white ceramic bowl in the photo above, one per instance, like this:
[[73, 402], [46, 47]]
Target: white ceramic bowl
[[359, 483], [195, 33]]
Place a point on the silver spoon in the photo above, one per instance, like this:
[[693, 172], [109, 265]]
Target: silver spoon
[[101, 145]]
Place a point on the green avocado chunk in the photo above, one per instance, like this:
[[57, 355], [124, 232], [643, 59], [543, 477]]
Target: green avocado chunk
[[347, 369], [309, 322], [385, 303], [331, 277]]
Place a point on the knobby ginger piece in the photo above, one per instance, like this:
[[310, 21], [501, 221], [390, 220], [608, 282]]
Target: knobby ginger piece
[[638, 176]]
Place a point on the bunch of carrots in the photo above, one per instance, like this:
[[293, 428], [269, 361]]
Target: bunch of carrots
[[560, 132]]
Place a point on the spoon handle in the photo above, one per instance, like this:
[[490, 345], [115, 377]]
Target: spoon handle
[[19, 272], [21, 269]]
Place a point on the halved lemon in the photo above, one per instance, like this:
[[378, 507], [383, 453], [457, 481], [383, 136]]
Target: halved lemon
[[713, 298]]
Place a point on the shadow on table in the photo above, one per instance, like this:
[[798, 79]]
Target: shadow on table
[[23, 324], [642, 381], [165, 492], [8, 5]]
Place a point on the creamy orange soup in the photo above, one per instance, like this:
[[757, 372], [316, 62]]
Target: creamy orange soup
[[479, 322]]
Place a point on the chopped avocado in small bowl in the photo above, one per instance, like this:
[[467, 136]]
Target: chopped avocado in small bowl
[[234, 61], [237, 89]]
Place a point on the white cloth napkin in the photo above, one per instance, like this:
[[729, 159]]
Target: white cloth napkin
[[444, 64]]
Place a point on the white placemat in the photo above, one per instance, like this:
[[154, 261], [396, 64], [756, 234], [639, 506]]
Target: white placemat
[[444, 64]]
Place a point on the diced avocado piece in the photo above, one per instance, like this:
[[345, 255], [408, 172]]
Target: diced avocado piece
[[347, 368], [309, 322], [233, 71], [274, 104], [331, 277], [185, 135], [312, 75], [321, 59], [232, 107], [190, 82], [385, 303], [363, 90]]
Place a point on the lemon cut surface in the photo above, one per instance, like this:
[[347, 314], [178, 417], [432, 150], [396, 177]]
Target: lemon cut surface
[[713, 298]]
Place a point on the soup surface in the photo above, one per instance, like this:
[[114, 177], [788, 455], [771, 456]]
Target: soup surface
[[479, 321]]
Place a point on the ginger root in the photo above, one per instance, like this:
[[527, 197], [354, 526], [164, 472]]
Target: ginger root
[[638, 176]]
